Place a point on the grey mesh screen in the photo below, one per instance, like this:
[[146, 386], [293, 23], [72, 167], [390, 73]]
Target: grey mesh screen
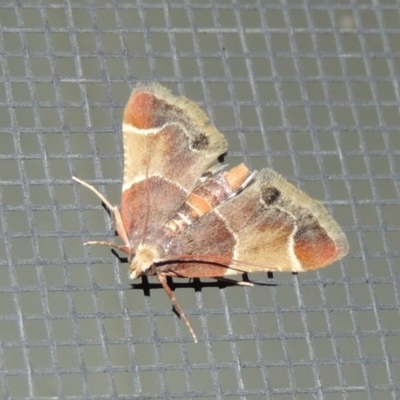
[[310, 89]]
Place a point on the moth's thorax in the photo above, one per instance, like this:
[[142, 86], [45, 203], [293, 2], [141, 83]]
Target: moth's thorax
[[143, 261]]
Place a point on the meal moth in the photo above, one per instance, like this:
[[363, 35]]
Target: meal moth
[[182, 216]]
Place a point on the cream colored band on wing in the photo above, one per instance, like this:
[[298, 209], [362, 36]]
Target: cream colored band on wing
[[139, 178], [296, 264], [128, 128], [230, 271]]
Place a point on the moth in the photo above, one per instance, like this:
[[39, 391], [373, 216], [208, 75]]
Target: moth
[[182, 216]]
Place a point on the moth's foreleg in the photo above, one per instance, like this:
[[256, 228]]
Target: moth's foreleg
[[163, 280]]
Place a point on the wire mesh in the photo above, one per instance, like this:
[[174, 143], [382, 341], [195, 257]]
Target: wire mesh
[[308, 88]]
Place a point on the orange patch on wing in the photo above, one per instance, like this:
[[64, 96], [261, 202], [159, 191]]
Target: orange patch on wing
[[316, 254], [140, 110]]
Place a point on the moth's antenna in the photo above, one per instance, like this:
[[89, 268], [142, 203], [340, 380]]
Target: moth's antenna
[[147, 189]]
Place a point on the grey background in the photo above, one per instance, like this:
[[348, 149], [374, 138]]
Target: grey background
[[308, 88]]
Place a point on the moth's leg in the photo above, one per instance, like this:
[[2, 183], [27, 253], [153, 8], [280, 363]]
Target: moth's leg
[[163, 280], [234, 282], [119, 226]]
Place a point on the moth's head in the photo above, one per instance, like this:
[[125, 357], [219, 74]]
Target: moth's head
[[142, 262]]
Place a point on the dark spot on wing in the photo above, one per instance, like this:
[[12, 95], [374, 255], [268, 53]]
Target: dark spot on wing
[[200, 141], [270, 195]]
